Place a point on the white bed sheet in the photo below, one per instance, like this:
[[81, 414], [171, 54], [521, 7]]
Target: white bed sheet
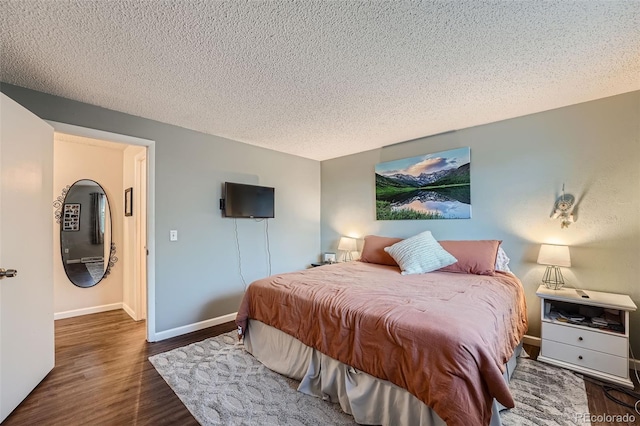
[[370, 400]]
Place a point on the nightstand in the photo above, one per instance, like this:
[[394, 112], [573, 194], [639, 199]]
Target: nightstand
[[587, 335]]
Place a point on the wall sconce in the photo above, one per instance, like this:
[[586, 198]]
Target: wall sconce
[[554, 256], [563, 209], [347, 245]]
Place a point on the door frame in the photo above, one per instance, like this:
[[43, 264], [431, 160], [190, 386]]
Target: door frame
[[140, 263], [72, 129]]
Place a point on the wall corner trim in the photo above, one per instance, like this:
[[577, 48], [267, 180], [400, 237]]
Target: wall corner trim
[[178, 331], [129, 311], [87, 311]]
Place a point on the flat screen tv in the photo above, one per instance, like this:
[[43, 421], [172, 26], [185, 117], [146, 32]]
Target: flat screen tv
[[248, 201]]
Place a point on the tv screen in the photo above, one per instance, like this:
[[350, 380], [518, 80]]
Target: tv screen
[[248, 201]]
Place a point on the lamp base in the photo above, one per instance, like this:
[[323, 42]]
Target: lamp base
[[347, 256], [553, 278], [553, 286]]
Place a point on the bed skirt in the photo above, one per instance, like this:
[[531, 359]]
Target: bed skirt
[[371, 401]]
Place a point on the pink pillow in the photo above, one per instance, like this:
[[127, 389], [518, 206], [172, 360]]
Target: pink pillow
[[373, 250], [474, 256]]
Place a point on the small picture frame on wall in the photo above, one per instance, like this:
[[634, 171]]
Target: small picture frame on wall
[[128, 202], [328, 258], [71, 217]]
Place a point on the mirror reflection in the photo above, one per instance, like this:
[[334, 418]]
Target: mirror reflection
[[85, 233]]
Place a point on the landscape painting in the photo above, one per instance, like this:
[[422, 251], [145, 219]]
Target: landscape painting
[[432, 186]]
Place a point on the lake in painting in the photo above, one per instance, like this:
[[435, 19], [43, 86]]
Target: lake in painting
[[432, 186]]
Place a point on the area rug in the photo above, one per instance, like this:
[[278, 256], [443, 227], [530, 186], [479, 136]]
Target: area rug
[[546, 395], [221, 384], [96, 270]]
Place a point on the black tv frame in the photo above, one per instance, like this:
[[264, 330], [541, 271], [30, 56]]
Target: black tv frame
[[224, 202]]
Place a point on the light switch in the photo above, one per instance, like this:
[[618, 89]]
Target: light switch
[[173, 235]]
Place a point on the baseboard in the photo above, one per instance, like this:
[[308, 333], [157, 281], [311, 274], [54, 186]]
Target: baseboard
[[531, 340], [634, 364], [130, 311], [87, 311], [178, 331]]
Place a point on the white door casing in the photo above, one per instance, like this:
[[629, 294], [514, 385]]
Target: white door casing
[[71, 129], [27, 348], [140, 213]]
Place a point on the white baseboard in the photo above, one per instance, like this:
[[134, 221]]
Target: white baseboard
[[130, 311], [87, 311], [531, 340], [178, 331]]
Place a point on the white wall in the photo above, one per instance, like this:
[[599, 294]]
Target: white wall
[[197, 276], [518, 167], [72, 162]]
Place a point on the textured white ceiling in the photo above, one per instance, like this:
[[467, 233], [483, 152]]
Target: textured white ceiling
[[323, 79]]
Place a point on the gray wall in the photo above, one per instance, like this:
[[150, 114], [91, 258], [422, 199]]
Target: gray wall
[[197, 277], [518, 167]]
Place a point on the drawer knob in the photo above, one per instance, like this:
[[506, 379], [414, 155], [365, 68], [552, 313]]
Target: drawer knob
[[579, 339], [579, 356]]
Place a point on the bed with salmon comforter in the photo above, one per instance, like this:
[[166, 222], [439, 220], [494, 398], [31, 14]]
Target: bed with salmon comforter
[[443, 337]]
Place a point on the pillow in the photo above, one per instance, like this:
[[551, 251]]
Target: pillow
[[420, 254], [502, 261], [474, 257], [373, 250]]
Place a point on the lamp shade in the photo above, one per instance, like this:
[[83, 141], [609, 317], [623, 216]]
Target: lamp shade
[[554, 255], [347, 244]]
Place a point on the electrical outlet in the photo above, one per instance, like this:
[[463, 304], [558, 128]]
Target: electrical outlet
[[173, 235]]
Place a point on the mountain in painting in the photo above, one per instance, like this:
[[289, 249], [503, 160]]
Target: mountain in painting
[[455, 176]]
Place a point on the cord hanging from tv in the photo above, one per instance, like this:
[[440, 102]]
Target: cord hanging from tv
[[247, 201]]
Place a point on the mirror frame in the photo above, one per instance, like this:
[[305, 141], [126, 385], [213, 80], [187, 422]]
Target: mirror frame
[[111, 259]]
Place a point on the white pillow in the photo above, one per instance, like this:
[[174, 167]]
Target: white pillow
[[502, 261], [420, 254]]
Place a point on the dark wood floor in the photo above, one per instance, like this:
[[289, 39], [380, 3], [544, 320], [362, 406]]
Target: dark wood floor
[[79, 274], [103, 377]]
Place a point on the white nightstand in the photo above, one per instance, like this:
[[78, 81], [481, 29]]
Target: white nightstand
[[599, 352]]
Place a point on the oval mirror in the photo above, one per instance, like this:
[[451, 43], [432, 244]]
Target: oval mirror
[[85, 233]]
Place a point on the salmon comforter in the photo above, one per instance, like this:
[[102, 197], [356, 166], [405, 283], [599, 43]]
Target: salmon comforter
[[444, 337]]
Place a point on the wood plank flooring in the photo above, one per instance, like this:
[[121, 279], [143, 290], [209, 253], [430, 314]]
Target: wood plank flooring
[[103, 377]]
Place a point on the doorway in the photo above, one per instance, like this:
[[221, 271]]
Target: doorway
[[138, 282]]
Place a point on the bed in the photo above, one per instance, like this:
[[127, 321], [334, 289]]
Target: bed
[[425, 349]]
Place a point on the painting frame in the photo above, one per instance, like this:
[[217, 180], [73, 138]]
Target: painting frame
[[428, 186], [71, 217], [128, 202], [328, 257]]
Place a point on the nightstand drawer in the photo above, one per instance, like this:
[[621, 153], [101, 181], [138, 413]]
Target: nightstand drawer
[[618, 366], [584, 338]]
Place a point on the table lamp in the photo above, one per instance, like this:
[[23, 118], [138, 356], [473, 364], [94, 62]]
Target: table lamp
[[347, 245], [554, 256]]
